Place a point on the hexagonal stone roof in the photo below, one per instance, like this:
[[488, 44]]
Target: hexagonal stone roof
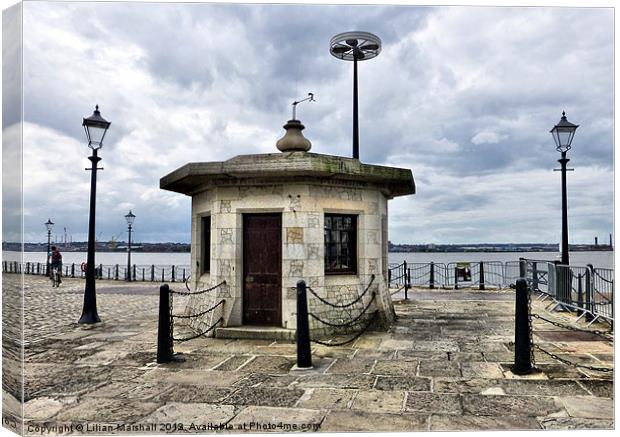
[[283, 168]]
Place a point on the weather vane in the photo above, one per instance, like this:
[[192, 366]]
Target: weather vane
[[309, 98]]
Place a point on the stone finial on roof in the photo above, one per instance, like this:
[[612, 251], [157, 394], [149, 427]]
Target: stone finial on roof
[[293, 140]]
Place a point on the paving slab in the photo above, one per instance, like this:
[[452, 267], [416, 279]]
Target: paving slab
[[350, 421], [468, 422], [481, 370], [391, 344], [233, 363], [552, 387], [489, 405], [268, 364], [129, 390], [202, 415], [379, 401], [264, 396], [327, 398], [337, 381], [404, 383], [422, 355], [271, 419], [438, 368], [107, 411], [395, 368], [568, 423], [44, 408], [421, 402], [465, 385], [599, 388], [265, 380], [436, 346], [349, 365], [194, 393], [589, 407], [370, 354]]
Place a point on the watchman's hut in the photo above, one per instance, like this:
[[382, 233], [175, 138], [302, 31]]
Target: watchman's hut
[[263, 222]]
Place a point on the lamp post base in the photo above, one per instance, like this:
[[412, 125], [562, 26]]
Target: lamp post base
[[89, 317]]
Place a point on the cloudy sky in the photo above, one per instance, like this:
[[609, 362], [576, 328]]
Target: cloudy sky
[[463, 96]]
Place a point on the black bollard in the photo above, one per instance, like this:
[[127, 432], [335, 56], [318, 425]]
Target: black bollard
[[481, 287], [523, 347], [522, 267], [431, 281], [164, 338], [152, 273], [304, 355]]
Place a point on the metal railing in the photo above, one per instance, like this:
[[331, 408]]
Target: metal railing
[[589, 291], [524, 345], [481, 274], [585, 288], [116, 272]]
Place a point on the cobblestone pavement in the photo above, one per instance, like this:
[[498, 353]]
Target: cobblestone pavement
[[444, 365]]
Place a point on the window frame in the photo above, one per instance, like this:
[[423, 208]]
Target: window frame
[[351, 244], [205, 252]]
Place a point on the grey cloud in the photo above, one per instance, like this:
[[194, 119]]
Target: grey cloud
[[201, 82]]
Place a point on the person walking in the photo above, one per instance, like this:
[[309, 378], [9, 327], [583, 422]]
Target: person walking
[[56, 264]]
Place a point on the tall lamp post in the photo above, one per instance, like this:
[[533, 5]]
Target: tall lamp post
[[49, 224], [95, 127], [563, 134], [355, 46], [130, 218]]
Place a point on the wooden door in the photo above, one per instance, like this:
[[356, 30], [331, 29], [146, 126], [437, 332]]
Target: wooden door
[[262, 269]]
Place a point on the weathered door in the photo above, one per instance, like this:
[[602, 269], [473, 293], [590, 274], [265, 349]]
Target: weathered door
[[262, 269]]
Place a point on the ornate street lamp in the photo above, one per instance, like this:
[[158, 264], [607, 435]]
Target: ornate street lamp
[[354, 46], [49, 224], [95, 127], [563, 134], [130, 218]]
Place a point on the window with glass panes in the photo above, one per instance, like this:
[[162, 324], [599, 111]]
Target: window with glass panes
[[340, 243], [206, 245]]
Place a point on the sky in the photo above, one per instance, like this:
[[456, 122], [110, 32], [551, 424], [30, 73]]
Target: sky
[[463, 96]]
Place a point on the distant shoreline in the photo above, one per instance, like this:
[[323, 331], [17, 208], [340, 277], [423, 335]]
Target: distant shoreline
[[178, 248]]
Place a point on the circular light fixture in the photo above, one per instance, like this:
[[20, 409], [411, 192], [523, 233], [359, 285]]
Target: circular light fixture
[[351, 46]]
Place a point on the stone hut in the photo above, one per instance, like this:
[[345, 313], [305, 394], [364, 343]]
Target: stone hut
[[263, 222]]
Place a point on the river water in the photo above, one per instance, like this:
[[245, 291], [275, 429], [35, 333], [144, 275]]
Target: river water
[[597, 258]]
